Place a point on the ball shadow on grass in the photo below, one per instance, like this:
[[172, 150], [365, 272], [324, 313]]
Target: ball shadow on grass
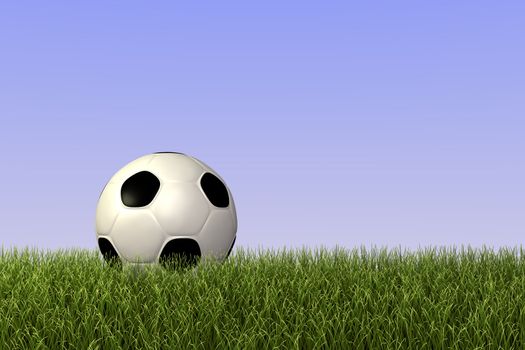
[[179, 262], [113, 262]]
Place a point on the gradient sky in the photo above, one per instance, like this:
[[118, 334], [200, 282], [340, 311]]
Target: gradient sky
[[386, 124]]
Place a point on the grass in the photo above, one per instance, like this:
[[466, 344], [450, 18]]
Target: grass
[[288, 299]]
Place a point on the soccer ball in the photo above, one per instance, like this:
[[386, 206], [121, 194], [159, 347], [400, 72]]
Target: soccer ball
[[162, 206]]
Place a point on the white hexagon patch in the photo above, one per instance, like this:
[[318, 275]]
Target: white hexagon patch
[[137, 235], [180, 208]]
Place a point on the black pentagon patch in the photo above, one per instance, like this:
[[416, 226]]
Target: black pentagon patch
[[180, 253], [168, 152], [140, 189], [215, 190], [109, 253]]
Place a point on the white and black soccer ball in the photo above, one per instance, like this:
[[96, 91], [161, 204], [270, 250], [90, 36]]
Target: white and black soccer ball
[[165, 205]]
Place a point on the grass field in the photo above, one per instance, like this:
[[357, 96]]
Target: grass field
[[286, 299]]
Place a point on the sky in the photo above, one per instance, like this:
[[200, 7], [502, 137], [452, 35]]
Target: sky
[[388, 124]]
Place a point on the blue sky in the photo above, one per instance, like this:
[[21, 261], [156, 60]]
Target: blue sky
[[336, 123]]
